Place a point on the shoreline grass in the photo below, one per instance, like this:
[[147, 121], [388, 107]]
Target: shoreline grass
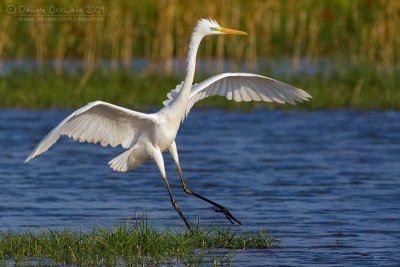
[[360, 87], [130, 244]]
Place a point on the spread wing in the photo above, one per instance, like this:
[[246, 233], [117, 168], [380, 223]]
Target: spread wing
[[98, 122], [246, 87], [242, 87]]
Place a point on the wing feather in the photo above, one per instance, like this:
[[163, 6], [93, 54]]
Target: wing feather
[[236, 93], [78, 128], [290, 95], [276, 96], [253, 95], [266, 94], [243, 94], [259, 96], [213, 91], [98, 122], [246, 87], [241, 87], [228, 89]]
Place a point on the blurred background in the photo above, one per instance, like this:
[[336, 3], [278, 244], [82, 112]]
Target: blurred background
[[67, 53]]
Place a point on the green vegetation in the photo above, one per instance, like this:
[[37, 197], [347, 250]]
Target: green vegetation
[[362, 87], [128, 244], [361, 35]]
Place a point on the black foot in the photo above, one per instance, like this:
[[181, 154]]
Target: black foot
[[227, 214]]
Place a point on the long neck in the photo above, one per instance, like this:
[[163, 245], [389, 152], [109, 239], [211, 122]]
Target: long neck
[[180, 103]]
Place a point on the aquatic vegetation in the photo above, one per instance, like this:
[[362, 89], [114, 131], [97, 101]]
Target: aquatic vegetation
[[130, 244], [363, 87], [302, 31]]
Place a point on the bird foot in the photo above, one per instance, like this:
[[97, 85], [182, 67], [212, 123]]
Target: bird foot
[[227, 214]]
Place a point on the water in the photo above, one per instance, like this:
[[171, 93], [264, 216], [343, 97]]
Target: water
[[276, 66], [326, 182]]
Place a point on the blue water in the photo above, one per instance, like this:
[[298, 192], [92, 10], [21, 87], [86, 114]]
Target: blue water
[[326, 182]]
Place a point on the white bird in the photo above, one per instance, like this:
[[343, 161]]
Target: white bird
[[146, 136]]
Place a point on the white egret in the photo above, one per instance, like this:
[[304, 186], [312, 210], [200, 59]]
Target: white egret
[[146, 136]]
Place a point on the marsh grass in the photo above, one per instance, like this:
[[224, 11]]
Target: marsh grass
[[160, 30], [129, 244], [361, 87], [360, 34]]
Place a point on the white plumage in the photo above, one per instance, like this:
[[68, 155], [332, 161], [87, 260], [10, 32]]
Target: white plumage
[[146, 136], [241, 87], [98, 122]]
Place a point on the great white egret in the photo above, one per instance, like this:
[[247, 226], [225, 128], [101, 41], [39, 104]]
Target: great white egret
[[146, 136]]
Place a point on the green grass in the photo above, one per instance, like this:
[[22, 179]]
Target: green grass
[[361, 87], [130, 244]]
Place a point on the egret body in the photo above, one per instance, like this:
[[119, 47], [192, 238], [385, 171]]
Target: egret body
[[146, 136]]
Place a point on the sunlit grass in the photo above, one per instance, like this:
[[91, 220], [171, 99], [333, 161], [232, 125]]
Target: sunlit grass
[[130, 244], [160, 30]]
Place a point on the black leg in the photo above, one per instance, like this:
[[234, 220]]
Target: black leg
[[175, 205], [219, 207]]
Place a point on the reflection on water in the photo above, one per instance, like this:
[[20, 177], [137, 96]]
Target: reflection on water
[[326, 182]]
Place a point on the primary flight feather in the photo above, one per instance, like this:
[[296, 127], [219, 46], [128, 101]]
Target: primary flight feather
[[146, 136]]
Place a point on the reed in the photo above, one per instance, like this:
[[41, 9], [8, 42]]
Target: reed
[[362, 31], [4, 36]]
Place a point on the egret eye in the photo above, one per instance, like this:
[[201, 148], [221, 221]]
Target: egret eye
[[213, 28]]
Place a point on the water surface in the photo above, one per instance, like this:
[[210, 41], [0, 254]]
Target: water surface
[[326, 182]]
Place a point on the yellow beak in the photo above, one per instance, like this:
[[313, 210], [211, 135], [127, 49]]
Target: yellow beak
[[231, 31]]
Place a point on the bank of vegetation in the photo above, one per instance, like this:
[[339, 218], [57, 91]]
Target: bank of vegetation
[[360, 39]]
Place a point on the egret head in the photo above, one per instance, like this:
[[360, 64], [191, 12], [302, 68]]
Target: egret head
[[211, 27]]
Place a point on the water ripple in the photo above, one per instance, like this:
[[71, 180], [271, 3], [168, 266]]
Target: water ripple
[[326, 182]]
